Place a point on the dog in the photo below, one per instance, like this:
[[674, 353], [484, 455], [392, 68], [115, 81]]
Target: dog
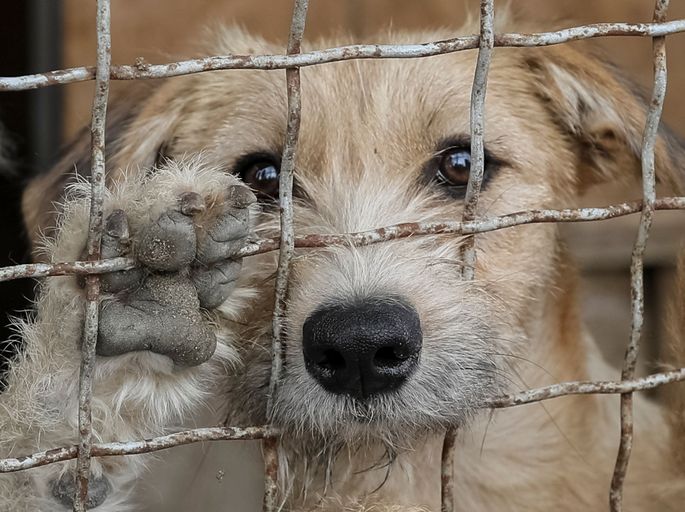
[[387, 345]]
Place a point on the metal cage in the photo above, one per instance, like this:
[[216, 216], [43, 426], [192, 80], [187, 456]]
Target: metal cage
[[292, 61]]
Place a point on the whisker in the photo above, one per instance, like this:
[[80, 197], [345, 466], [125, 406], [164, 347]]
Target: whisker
[[554, 422], [487, 426], [525, 360]]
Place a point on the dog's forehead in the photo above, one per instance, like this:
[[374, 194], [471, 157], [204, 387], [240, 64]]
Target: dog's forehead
[[392, 114], [411, 106]]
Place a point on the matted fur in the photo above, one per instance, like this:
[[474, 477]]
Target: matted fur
[[558, 119]]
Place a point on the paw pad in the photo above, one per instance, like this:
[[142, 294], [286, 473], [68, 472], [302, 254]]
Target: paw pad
[[187, 256]]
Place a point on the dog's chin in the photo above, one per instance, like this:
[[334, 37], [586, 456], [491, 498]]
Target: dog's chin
[[385, 418]]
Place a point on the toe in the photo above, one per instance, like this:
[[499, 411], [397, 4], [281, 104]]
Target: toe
[[224, 237], [169, 243], [191, 203], [116, 242], [214, 284], [239, 196]]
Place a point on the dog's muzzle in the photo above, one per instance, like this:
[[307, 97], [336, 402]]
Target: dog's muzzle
[[364, 348]]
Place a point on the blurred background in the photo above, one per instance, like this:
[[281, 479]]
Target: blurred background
[[41, 35]]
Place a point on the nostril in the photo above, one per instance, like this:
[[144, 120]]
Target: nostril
[[331, 360], [390, 357]]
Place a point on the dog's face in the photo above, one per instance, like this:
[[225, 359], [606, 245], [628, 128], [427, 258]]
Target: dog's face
[[389, 340]]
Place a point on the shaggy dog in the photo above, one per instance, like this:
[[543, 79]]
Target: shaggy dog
[[387, 345]]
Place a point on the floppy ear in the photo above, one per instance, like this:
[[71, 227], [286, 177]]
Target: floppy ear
[[138, 125], [604, 114]]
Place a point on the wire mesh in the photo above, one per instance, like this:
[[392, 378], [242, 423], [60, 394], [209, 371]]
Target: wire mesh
[[95, 227], [637, 260], [485, 41], [287, 243]]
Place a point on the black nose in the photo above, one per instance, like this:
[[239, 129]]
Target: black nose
[[364, 348]]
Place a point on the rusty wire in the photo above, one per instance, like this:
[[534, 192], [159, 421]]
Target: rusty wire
[[447, 471], [90, 328], [10, 465], [586, 388], [143, 70], [477, 112], [198, 435], [486, 43], [286, 246], [637, 298], [292, 61], [362, 238]]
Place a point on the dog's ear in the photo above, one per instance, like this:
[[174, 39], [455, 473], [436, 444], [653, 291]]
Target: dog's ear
[[604, 114], [138, 127]]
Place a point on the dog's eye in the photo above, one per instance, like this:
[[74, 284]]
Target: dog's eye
[[261, 175], [449, 167], [454, 167]]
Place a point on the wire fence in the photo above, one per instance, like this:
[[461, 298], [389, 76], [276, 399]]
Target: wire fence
[[292, 61]]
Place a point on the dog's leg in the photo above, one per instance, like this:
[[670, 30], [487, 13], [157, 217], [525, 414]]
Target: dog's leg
[[183, 224]]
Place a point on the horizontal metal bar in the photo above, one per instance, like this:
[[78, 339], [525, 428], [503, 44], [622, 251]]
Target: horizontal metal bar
[[65, 269], [384, 234], [142, 70], [137, 447], [10, 465], [587, 388]]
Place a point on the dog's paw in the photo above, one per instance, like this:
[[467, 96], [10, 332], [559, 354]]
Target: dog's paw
[[64, 489], [185, 232]]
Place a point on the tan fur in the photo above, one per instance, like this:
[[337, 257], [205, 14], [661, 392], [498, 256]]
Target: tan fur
[[561, 119], [675, 358]]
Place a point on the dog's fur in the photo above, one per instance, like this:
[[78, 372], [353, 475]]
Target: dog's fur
[[558, 120]]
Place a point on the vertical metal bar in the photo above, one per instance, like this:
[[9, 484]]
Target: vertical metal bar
[[447, 471], [90, 331], [480, 81], [286, 197], [287, 245], [270, 454], [468, 251], [637, 261]]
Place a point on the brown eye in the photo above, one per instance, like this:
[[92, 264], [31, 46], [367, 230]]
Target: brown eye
[[261, 175], [454, 167]]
